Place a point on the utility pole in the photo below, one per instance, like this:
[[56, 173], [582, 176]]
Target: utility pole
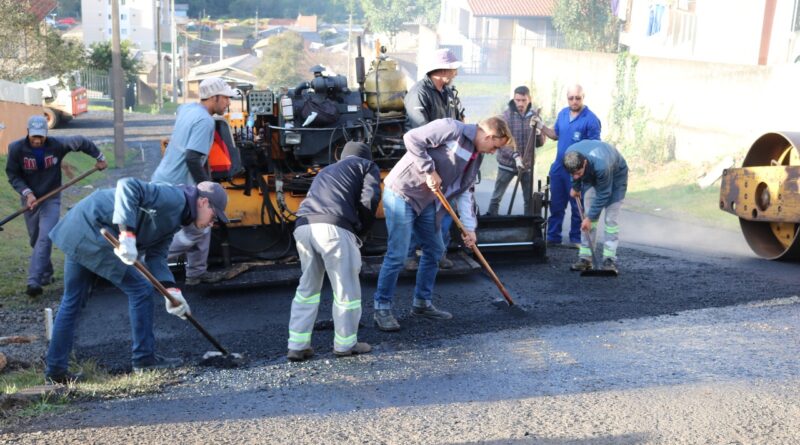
[[159, 77], [117, 78], [350, 48], [221, 28], [256, 26], [174, 36], [185, 70]]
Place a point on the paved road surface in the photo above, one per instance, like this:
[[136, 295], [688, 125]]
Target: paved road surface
[[697, 341]]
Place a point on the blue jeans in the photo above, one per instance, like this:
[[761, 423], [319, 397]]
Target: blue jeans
[[447, 221], [560, 185], [77, 280], [39, 223], [401, 222]]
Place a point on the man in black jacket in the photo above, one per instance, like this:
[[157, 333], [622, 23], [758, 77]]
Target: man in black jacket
[[434, 97], [340, 205], [33, 168]]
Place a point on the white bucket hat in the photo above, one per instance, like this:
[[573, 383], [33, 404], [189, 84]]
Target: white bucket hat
[[214, 86], [443, 59]]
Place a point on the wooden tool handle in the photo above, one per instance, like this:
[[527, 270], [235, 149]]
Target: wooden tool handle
[[163, 290], [474, 248]]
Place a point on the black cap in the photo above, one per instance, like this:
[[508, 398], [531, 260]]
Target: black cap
[[359, 149]]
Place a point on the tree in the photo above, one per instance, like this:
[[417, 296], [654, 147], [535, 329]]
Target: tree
[[587, 25], [28, 49], [283, 61], [100, 58], [388, 16]]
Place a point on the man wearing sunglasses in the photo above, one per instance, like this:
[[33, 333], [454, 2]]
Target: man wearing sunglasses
[[574, 123]]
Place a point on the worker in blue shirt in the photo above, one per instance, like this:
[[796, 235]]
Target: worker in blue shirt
[[574, 123]]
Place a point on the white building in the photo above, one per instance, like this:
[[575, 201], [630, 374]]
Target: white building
[[137, 21]]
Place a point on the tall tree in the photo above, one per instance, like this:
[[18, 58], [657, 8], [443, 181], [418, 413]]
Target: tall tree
[[587, 25], [284, 61], [388, 16], [28, 49]]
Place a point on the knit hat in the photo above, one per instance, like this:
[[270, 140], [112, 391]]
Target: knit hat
[[359, 149]]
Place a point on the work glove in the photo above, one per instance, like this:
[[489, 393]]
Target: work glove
[[520, 164], [182, 309], [536, 121], [127, 248]]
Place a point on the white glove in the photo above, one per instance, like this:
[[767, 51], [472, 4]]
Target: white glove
[[127, 248], [182, 309], [536, 121], [520, 164]]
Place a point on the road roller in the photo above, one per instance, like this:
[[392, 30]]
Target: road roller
[[765, 194]]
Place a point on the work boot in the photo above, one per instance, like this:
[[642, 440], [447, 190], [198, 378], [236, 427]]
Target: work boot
[[430, 312], [385, 320], [610, 265], [64, 378], [156, 362], [358, 348], [581, 265], [411, 264], [206, 277], [446, 263], [33, 290], [295, 355]]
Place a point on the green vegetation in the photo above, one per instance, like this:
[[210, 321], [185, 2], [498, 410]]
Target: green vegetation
[[587, 25], [97, 384], [30, 51], [15, 250], [669, 190], [283, 61]]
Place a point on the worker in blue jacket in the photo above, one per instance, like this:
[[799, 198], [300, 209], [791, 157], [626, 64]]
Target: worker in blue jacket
[[574, 123], [147, 216], [600, 174]]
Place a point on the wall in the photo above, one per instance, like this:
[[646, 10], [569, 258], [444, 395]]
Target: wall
[[713, 109], [724, 31], [17, 104]]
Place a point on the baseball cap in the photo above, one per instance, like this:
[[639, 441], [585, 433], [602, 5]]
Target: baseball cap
[[443, 59], [217, 198], [37, 126], [214, 86]]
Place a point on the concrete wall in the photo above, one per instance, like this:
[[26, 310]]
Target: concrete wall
[[17, 104], [725, 31], [713, 109]]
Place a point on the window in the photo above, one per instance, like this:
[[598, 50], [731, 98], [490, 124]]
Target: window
[[123, 31], [122, 17]]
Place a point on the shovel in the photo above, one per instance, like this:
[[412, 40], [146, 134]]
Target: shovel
[[45, 197], [595, 271], [226, 360], [516, 310]]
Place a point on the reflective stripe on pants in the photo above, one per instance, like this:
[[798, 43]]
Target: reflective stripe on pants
[[610, 217], [321, 248]]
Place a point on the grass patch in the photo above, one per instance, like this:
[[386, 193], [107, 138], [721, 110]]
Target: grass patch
[[669, 190], [15, 249], [469, 89], [98, 384]]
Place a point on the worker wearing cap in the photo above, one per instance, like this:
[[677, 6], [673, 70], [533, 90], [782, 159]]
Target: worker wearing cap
[[146, 215], [434, 97], [600, 174], [184, 162], [340, 206], [33, 168]]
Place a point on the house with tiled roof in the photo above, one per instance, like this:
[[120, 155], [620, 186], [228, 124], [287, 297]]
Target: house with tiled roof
[[41, 8], [481, 32]]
